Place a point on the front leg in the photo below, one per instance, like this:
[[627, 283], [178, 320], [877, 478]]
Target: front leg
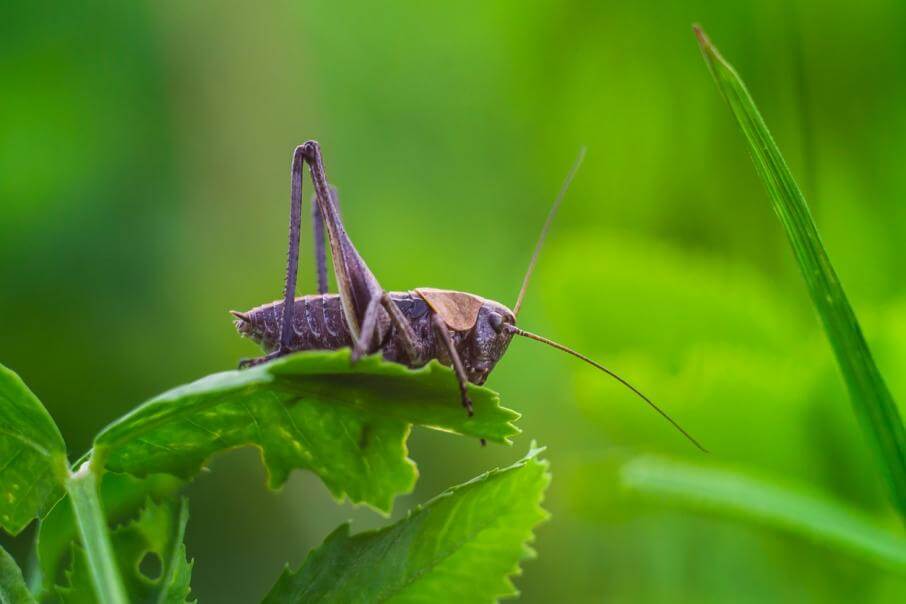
[[458, 368]]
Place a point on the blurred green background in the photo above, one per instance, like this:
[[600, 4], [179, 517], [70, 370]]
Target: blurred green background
[[144, 180]]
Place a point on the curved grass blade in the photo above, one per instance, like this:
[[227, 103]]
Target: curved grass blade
[[346, 423], [734, 494], [462, 546], [33, 463], [872, 402]]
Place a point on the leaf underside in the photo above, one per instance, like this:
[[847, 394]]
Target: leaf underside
[[32, 455], [871, 400], [462, 546], [313, 410]]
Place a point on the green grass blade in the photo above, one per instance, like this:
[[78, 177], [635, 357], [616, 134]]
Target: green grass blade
[[741, 496], [874, 406]]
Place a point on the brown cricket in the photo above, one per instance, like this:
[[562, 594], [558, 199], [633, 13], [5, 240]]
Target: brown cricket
[[459, 329]]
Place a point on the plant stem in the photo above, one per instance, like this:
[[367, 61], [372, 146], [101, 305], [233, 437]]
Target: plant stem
[[82, 487]]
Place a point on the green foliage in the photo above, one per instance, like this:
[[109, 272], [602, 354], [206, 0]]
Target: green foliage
[[347, 424], [122, 498], [158, 533], [460, 547], [872, 401], [13, 589], [120, 259], [32, 455], [710, 300]]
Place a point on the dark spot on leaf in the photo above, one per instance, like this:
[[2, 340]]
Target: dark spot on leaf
[[364, 435], [151, 566]]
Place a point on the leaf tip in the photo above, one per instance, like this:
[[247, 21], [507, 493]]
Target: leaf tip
[[709, 51], [720, 69], [703, 40], [535, 450]]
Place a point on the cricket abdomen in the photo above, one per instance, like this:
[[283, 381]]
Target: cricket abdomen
[[319, 324]]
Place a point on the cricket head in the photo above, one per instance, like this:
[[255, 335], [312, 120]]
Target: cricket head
[[487, 341]]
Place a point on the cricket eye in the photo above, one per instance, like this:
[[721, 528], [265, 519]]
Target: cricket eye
[[496, 321]]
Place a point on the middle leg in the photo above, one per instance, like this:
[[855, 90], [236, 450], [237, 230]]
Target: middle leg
[[317, 221], [415, 350]]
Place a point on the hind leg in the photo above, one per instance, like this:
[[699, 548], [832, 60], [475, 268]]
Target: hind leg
[[317, 221], [292, 262]]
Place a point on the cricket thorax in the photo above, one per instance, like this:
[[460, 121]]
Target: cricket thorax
[[478, 329]]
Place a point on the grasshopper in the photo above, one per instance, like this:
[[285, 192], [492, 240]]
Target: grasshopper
[[461, 330]]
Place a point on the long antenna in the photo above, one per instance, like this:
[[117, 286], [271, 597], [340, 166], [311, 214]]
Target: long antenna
[[549, 342], [546, 228]]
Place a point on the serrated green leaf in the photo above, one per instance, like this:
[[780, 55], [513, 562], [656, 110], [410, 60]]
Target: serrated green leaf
[[32, 455], [13, 589], [348, 424], [78, 589], [178, 585], [122, 497], [157, 531], [872, 402], [462, 546]]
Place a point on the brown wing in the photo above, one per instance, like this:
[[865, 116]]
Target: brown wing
[[457, 309]]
